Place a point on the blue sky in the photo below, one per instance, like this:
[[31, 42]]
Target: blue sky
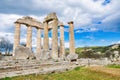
[[96, 22]]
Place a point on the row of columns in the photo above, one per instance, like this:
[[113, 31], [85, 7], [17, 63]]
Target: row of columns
[[55, 39], [71, 39], [29, 38], [46, 38], [54, 53]]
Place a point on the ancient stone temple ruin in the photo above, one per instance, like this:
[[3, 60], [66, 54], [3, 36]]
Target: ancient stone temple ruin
[[44, 53]]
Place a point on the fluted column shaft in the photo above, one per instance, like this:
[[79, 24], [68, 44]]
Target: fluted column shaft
[[16, 36], [29, 37], [71, 36], [55, 39], [38, 50], [46, 38], [62, 46]]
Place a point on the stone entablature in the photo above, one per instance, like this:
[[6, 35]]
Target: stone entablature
[[50, 17], [30, 21]]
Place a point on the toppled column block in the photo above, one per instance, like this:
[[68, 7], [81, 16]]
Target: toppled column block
[[72, 57], [22, 52]]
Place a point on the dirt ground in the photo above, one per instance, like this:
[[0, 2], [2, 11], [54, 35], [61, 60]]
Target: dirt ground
[[102, 69]]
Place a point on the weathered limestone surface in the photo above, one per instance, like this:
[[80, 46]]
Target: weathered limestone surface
[[38, 50], [22, 52], [30, 21], [72, 55], [62, 46], [46, 38], [16, 36], [29, 37], [51, 17], [24, 67], [45, 55], [54, 54], [28, 67], [71, 36], [38, 41]]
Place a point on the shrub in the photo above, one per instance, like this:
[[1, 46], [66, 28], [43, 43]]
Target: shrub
[[7, 78], [113, 66], [77, 68]]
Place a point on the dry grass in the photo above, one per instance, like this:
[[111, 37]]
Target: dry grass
[[92, 73], [110, 71]]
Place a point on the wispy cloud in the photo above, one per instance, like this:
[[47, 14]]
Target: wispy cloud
[[86, 29]]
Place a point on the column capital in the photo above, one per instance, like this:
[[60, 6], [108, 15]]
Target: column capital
[[45, 21], [28, 25], [70, 22], [61, 24], [16, 22]]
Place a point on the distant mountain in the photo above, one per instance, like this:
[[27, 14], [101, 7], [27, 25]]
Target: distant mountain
[[101, 49], [117, 45]]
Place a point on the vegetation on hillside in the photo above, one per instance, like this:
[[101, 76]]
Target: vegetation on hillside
[[113, 65], [95, 51]]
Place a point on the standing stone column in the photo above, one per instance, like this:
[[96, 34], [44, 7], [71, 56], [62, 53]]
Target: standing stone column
[[16, 36], [62, 46], [29, 37], [71, 36], [46, 38], [38, 50], [55, 39]]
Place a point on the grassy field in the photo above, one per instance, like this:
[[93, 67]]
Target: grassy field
[[113, 66], [91, 73]]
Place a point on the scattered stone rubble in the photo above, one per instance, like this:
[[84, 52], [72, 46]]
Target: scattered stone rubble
[[24, 67]]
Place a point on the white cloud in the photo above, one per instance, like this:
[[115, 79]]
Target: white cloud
[[115, 42], [7, 21], [9, 36], [118, 42], [111, 18], [91, 29], [90, 37], [102, 40], [66, 44], [78, 31], [82, 12]]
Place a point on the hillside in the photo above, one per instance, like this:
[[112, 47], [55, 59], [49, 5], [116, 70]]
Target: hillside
[[96, 51]]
